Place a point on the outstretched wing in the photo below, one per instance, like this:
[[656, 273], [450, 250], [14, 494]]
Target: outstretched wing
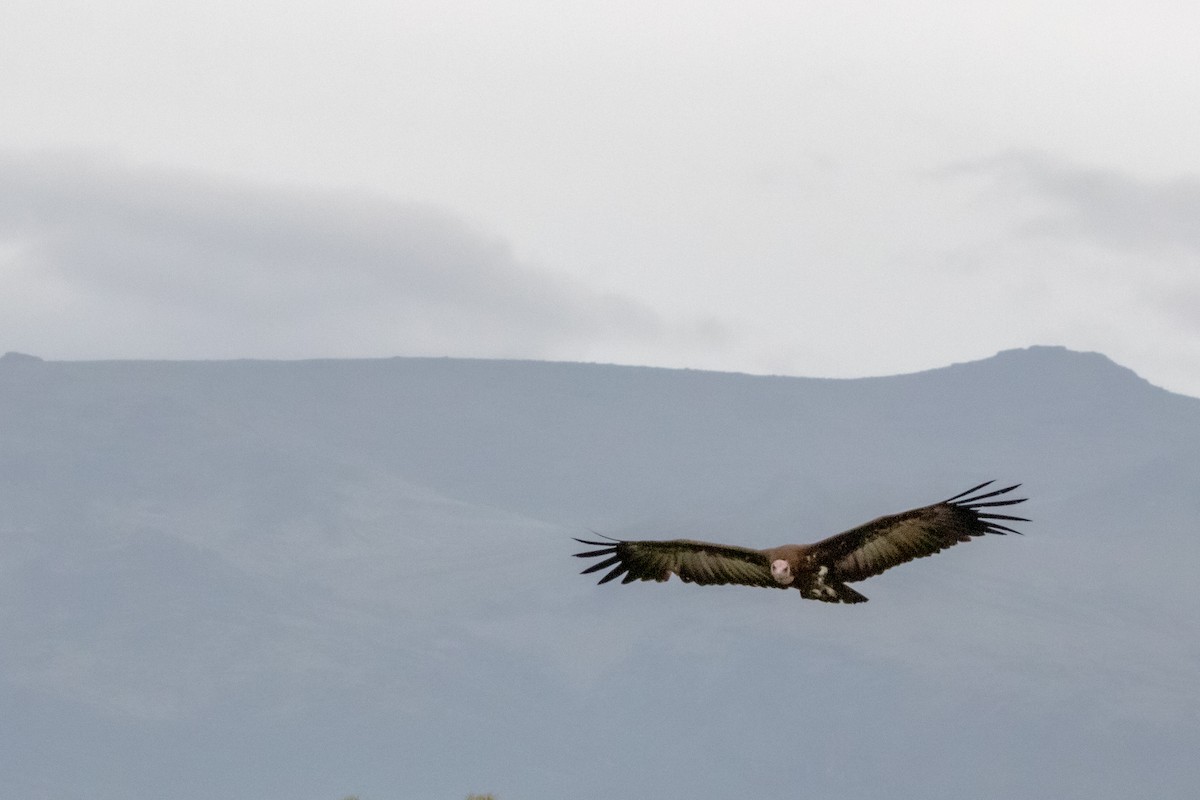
[[694, 562], [885, 542]]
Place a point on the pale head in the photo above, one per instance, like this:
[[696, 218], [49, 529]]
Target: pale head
[[781, 571]]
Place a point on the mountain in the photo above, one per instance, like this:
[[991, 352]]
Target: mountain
[[319, 578]]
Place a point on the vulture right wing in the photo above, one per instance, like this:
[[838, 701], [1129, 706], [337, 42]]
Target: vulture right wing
[[885, 542], [694, 562]]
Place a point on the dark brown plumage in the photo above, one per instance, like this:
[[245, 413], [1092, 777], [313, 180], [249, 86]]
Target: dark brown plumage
[[821, 570]]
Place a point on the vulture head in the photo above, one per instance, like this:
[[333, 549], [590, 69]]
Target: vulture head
[[781, 571]]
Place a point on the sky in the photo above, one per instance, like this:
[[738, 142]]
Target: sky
[[823, 189]]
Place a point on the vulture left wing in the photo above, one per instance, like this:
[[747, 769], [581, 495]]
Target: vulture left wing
[[885, 542], [694, 562]]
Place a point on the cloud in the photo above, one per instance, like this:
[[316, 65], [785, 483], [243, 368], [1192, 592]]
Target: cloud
[[101, 259], [1106, 259], [1104, 206]]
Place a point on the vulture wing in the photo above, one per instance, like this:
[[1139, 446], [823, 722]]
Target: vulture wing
[[885, 542], [694, 562]]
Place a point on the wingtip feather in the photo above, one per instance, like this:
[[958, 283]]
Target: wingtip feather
[[992, 503], [617, 570], [593, 553], [1009, 517], [599, 565], [972, 490]]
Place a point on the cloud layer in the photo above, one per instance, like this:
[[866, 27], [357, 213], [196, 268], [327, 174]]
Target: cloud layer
[[103, 260], [100, 259], [1107, 259]]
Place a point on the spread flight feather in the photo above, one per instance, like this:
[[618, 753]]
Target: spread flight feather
[[820, 570]]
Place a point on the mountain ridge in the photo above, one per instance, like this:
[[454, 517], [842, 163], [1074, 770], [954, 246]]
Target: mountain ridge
[[14, 357], [308, 579]]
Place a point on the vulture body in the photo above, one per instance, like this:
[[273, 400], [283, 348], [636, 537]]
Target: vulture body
[[821, 570]]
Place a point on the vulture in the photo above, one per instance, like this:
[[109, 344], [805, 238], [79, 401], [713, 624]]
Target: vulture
[[820, 570]]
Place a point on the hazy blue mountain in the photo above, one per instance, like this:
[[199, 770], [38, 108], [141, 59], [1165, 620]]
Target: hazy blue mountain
[[309, 579]]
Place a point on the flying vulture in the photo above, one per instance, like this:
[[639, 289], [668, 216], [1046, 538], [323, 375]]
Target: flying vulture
[[821, 570]]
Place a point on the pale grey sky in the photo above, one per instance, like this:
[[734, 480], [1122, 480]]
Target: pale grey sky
[[829, 188]]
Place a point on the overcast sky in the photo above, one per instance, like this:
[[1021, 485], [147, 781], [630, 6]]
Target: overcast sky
[[828, 188]]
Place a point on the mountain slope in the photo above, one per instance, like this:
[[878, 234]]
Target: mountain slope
[[307, 579]]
